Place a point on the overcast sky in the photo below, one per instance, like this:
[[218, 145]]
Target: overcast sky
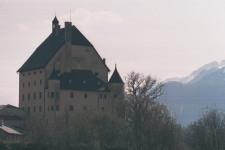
[[165, 38]]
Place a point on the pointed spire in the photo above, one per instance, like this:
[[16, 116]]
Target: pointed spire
[[54, 75], [55, 21], [115, 78]]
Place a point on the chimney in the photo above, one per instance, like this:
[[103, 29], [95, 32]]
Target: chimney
[[104, 60], [68, 32], [1, 123]]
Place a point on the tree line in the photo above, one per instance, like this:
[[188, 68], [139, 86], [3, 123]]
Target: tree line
[[140, 122]]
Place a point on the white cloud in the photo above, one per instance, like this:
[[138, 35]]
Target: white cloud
[[23, 27]]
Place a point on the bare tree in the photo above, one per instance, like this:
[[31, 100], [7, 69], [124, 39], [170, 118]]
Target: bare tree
[[36, 129], [108, 127], [141, 91], [208, 132]]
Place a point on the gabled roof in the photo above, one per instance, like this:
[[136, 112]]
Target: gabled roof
[[10, 129], [115, 78], [8, 106], [44, 53], [54, 75], [83, 80]]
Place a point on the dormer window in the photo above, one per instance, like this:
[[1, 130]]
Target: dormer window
[[87, 50], [70, 81], [98, 83], [84, 81], [53, 26], [96, 73]]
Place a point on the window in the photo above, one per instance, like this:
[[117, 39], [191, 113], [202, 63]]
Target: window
[[48, 108], [28, 73], [98, 83], [103, 96], [40, 82], [23, 74], [52, 108], [70, 81], [23, 97], [39, 108], [87, 50], [28, 97], [85, 108], [40, 71], [84, 81], [34, 82], [23, 108], [96, 63], [23, 84], [78, 61], [11, 112], [34, 72], [28, 83], [57, 94], [85, 95], [71, 108], [34, 96], [57, 108], [115, 96], [34, 108], [71, 94], [40, 95], [57, 71], [52, 94], [28, 109], [58, 60], [96, 73], [103, 108]]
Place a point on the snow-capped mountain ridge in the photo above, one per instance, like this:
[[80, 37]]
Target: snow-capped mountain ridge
[[199, 73]]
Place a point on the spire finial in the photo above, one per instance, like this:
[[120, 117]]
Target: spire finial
[[115, 65], [70, 15]]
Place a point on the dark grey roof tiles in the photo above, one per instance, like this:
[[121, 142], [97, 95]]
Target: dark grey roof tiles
[[115, 78], [81, 80], [44, 53], [55, 21]]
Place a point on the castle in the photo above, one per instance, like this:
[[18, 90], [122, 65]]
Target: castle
[[66, 71]]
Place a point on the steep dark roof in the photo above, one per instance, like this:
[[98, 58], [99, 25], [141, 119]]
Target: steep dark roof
[[78, 38], [115, 78], [54, 75], [44, 53], [7, 106], [83, 80], [55, 21]]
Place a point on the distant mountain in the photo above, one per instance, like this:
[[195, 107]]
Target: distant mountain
[[206, 67], [189, 96]]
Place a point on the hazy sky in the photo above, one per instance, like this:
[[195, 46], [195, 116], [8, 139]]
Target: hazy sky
[[165, 38]]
